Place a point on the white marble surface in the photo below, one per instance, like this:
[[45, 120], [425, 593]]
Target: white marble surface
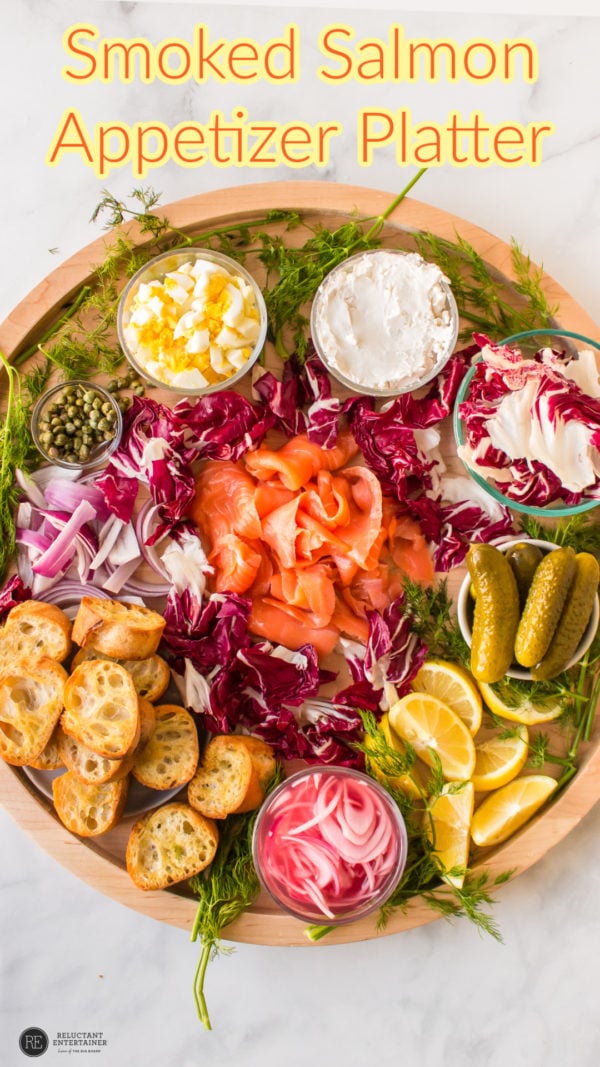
[[73, 960]]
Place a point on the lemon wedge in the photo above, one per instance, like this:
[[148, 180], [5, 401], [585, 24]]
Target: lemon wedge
[[528, 712], [500, 759], [507, 809], [406, 783], [455, 687], [432, 728], [450, 830]]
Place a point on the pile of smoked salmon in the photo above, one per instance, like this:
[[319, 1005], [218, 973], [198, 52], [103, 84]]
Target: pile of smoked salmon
[[309, 537]]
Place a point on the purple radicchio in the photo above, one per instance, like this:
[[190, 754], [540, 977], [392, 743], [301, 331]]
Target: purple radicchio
[[302, 402]]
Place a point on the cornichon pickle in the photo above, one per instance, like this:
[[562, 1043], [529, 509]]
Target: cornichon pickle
[[543, 608], [524, 559], [574, 619], [495, 614]]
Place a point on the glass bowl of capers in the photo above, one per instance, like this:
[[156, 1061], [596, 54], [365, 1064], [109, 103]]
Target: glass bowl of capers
[[76, 425]]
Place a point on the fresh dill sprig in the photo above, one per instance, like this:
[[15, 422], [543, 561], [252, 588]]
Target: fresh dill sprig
[[482, 295], [224, 892], [299, 272], [578, 532], [422, 874], [432, 618], [15, 449]]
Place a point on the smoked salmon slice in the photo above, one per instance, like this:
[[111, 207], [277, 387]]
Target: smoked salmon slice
[[224, 501], [312, 542], [276, 624], [299, 460]]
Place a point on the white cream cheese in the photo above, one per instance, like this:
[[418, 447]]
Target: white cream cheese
[[384, 320]]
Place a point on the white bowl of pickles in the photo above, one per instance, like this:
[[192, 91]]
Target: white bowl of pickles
[[527, 608]]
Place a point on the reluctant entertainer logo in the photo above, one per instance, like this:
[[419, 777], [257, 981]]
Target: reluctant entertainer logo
[[237, 139], [34, 1042]]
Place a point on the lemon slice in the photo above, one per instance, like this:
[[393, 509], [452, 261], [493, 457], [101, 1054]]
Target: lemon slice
[[507, 809], [455, 687], [430, 726], [500, 759], [528, 712], [450, 830], [406, 783]]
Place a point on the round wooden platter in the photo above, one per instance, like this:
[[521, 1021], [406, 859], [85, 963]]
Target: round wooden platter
[[100, 861]]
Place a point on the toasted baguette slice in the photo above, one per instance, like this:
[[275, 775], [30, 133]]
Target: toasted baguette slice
[[49, 758], [34, 630], [170, 758], [101, 709], [123, 631], [151, 676], [169, 845], [147, 723], [87, 766], [226, 780], [31, 701], [88, 810], [262, 756]]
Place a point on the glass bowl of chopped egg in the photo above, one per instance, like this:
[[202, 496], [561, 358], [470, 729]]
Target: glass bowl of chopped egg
[[192, 321]]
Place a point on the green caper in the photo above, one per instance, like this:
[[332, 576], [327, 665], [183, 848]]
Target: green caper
[[139, 390], [69, 428], [56, 421], [84, 453], [53, 452], [97, 403], [106, 407], [60, 439], [104, 425]]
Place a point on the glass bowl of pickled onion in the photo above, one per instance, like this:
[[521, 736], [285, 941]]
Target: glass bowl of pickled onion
[[329, 845]]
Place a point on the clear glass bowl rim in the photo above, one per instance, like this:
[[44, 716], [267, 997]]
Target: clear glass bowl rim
[[365, 390], [103, 452], [515, 505], [183, 252], [390, 885]]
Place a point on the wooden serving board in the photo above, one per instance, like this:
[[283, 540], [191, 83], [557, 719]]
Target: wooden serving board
[[100, 861]]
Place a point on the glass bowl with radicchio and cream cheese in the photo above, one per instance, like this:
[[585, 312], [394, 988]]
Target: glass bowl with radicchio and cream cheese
[[192, 321], [384, 322]]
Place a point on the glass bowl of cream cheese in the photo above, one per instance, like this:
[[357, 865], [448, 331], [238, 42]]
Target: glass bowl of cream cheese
[[192, 321], [384, 322]]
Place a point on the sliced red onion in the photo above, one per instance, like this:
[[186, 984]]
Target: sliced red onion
[[108, 536], [125, 548], [42, 584], [33, 539], [32, 491], [116, 581], [67, 592], [137, 587], [63, 494], [62, 550], [145, 525]]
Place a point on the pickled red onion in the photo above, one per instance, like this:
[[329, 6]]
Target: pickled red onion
[[329, 844]]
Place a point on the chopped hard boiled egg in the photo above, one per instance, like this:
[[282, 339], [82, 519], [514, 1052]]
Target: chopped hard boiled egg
[[196, 327]]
